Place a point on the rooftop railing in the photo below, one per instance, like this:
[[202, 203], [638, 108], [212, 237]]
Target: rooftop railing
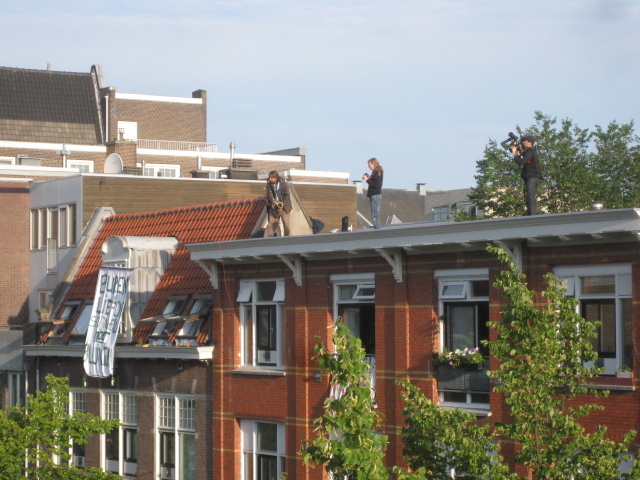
[[175, 145]]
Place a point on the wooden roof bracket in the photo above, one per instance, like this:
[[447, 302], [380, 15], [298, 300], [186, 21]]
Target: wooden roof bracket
[[212, 270], [394, 257], [294, 262], [514, 250]]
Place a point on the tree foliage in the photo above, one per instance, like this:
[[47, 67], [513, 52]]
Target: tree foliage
[[438, 440], [579, 167], [32, 436], [545, 355], [347, 440]]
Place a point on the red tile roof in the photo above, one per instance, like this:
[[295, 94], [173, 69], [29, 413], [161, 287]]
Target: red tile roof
[[232, 220]]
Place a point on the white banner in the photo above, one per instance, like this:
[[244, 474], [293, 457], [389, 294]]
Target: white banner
[[102, 333]]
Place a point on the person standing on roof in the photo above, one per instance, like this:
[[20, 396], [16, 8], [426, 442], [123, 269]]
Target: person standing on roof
[[374, 192], [531, 171], [278, 205]]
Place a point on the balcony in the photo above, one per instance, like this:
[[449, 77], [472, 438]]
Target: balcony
[[178, 146], [464, 385]]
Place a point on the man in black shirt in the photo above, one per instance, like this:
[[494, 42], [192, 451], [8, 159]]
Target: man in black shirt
[[531, 172]]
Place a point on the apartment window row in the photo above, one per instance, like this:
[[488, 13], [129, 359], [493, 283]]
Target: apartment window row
[[53, 227]]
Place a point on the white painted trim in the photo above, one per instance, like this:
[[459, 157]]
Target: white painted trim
[[220, 155], [591, 270], [352, 277], [158, 98], [462, 273], [318, 173], [54, 146]]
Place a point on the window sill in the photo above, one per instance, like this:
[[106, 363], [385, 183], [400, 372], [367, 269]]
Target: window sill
[[623, 384], [266, 371], [477, 411]]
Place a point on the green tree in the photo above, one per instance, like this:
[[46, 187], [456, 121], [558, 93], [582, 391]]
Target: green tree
[[579, 167], [347, 440], [438, 440], [30, 436], [544, 351]]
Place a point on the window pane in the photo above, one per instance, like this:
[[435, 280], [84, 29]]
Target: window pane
[[627, 339], [34, 229], [266, 291], [131, 445], [112, 448], [346, 292], [187, 457], [462, 328], [129, 410], [267, 437], [82, 324], [167, 412], [248, 335], [63, 226], [266, 326], [72, 223], [599, 284], [480, 288], [267, 467], [602, 311], [167, 449], [187, 413]]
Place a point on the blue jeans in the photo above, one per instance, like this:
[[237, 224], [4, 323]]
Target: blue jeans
[[375, 201]]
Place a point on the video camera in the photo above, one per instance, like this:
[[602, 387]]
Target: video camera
[[512, 141]]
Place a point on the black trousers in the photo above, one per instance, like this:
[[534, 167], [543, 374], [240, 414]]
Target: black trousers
[[530, 194]]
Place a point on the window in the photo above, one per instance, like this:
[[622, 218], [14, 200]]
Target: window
[[77, 403], [441, 213], [79, 331], [83, 166], [464, 311], [354, 302], [161, 170], [16, 389], [604, 295], [53, 227], [198, 314], [168, 321], [121, 444], [261, 307], [176, 437], [263, 450]]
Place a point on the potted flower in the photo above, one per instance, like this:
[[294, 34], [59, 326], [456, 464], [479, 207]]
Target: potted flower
[[465, 358]]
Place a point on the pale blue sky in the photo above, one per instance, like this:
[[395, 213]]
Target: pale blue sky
[[421, 85]]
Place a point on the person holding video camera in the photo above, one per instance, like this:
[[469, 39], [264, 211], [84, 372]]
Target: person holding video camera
[[374, 192], [531, 171]]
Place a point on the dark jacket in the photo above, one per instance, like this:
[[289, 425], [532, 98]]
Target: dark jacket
[[281, 194], [375, 184], [529, 163]]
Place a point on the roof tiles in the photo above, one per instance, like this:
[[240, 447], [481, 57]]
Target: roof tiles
[[223, 221]]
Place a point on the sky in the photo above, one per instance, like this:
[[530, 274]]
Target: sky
[[422, 85]]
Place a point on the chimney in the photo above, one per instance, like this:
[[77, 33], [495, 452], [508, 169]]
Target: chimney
[[422, 189], [358, 184]]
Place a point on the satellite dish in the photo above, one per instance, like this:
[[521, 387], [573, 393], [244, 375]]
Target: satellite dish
[[113, 164]]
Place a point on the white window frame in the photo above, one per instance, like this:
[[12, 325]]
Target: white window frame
[[154, 169], [77, 403], [623, 291], [175, 415], [463, 277], [124, 409], [83, 166], [271, 357], [251, 451], [17, 394], [216, 171], [441, 210]]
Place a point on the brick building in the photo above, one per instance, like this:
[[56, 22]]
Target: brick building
[[75, 121], [251, 398]]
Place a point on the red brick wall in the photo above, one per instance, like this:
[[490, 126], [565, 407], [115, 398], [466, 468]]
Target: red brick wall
[[407, 333], [14, 238]]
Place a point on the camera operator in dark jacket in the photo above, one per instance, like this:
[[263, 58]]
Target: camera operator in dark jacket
[[531, 172]]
